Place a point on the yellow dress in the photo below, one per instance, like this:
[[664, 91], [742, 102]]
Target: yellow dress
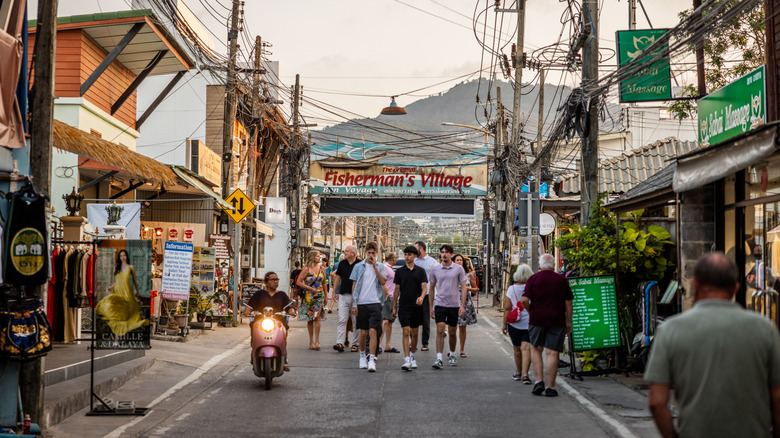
[[120, 309]]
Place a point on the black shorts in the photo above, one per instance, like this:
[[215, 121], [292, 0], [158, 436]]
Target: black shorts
[[387, 310], [410, 316], [549, 337], [447, 315], [369, 316], [518, 336]]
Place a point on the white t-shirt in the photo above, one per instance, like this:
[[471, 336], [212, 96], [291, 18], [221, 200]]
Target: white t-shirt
[[368, 286], [514, 293]]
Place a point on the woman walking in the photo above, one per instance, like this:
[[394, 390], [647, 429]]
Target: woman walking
[[518, 330], [311, 283], [469, 316]]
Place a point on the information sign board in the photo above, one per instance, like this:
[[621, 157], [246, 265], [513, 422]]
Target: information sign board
[[595, 317], [177, 269]]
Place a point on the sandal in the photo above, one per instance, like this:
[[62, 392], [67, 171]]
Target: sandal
[[424, 348], [339, 348], [354, 348], [391, 350], [317, 346], [462, 354]]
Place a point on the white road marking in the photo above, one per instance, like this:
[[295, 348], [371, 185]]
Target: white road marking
[[619, 428], [118, 432], [182, 416], [507, 353]]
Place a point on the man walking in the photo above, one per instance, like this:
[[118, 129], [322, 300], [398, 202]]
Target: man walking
[[344, 297], [426, 262], [388, 315], [548, 299], [447, 280], [368, 297], [408, 303], [722, 361]]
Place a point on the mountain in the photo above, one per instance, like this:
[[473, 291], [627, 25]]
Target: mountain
[[424, 117]]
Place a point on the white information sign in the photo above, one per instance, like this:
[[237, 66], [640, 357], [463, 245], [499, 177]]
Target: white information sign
[[546, 224], [177, 269], [275, 210]]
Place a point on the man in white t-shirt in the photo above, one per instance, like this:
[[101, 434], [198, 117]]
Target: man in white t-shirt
[[368, 296]]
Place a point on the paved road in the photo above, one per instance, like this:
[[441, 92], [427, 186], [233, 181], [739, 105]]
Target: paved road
[[325, 394]]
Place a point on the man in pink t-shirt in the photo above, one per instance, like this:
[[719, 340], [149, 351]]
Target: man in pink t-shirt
[[387, 310]]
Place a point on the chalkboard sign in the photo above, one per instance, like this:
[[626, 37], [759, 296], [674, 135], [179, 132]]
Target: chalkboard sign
[[595, 316], [248, 290]]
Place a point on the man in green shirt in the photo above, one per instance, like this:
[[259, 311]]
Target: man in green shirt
[[722, 361]]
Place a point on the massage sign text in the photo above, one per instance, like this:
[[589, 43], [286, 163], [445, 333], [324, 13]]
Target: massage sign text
[[734, 109], [398, 183]]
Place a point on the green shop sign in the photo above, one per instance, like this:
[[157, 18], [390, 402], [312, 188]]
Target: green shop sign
[[595, 323], [734, 109], [652, 82]]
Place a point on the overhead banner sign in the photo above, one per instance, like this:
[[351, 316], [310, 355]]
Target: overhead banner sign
[[594, 319], [653, 81], [390, 180], [275, 210], [734, 109]]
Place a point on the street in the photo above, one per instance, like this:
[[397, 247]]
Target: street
[[206, 387]]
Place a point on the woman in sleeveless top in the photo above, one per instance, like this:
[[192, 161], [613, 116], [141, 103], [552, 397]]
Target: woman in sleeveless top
[[311, 283]]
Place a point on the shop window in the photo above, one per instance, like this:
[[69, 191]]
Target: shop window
[[762, 263], [763, 179]]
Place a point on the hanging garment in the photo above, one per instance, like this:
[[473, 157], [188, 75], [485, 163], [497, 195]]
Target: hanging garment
[[11, 52], [24, 333], [51, 298], [69, 313], [26, 240], [58, 307], [83, 297]]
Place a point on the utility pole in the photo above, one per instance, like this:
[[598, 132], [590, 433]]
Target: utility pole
[[257, 115], [42, 105], [296, 168], [230, 99], [702, 85], [498, 230], [536, 184], [589, 153]]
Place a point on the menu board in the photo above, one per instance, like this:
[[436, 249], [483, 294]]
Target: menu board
[[595, 317]]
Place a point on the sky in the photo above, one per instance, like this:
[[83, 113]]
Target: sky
[[353, 55], [381, 48]]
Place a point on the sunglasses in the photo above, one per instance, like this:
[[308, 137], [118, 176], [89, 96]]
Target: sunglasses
[[273, 279]]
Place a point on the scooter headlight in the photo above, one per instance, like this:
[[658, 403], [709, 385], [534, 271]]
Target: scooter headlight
[[268, 324]]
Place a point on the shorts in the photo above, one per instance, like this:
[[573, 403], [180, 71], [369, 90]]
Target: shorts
[[410, 316], [387, 310], [518, 336], [550, 337], [447, 315], [369, 316]]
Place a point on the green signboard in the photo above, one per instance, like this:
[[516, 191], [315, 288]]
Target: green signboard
[[595, 316], [653, 81], [734, 109]]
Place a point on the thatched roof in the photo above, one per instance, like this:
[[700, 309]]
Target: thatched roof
[[83, 144]]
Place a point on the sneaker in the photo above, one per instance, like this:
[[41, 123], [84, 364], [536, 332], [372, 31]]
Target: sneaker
[[453, 361], [414, 364], [363, 362], [538, 388], [372, 367], [515, 376], [438, 364], [526, 380], [407, 366], [550, 392]]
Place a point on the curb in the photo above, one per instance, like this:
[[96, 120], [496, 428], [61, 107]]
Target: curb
[[65, 399]]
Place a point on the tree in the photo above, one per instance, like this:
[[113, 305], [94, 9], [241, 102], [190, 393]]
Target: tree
[[737, 49]]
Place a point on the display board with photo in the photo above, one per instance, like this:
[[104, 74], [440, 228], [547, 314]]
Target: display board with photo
[[123, 285]]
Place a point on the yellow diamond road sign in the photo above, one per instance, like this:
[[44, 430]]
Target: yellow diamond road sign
[[242, 205]]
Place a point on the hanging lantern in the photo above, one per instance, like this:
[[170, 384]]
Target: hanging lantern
[[393, 109]]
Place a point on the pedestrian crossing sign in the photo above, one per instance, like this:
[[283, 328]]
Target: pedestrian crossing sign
[[239, 206]]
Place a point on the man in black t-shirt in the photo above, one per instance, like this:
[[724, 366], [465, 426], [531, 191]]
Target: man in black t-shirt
[[343, 285], [293, 280], [408, 300]]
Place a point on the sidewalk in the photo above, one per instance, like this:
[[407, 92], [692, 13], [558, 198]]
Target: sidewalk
[[66, 400], [619, 396]]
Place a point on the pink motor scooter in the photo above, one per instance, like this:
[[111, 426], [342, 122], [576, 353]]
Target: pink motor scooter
[[269, 350]]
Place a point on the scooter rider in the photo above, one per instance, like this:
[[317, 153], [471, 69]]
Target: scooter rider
[[274, 298]]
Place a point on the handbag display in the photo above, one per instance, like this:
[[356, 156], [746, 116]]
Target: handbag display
[[25, 332]]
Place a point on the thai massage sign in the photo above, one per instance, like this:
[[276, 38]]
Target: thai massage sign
[[390, 180], [734, 109], [653, 81]]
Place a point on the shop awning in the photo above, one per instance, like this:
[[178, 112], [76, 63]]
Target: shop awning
[[718, 161], [86, 145], [194, 180]]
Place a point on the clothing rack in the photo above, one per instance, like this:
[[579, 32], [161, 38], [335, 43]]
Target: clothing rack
[[103, 408]]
